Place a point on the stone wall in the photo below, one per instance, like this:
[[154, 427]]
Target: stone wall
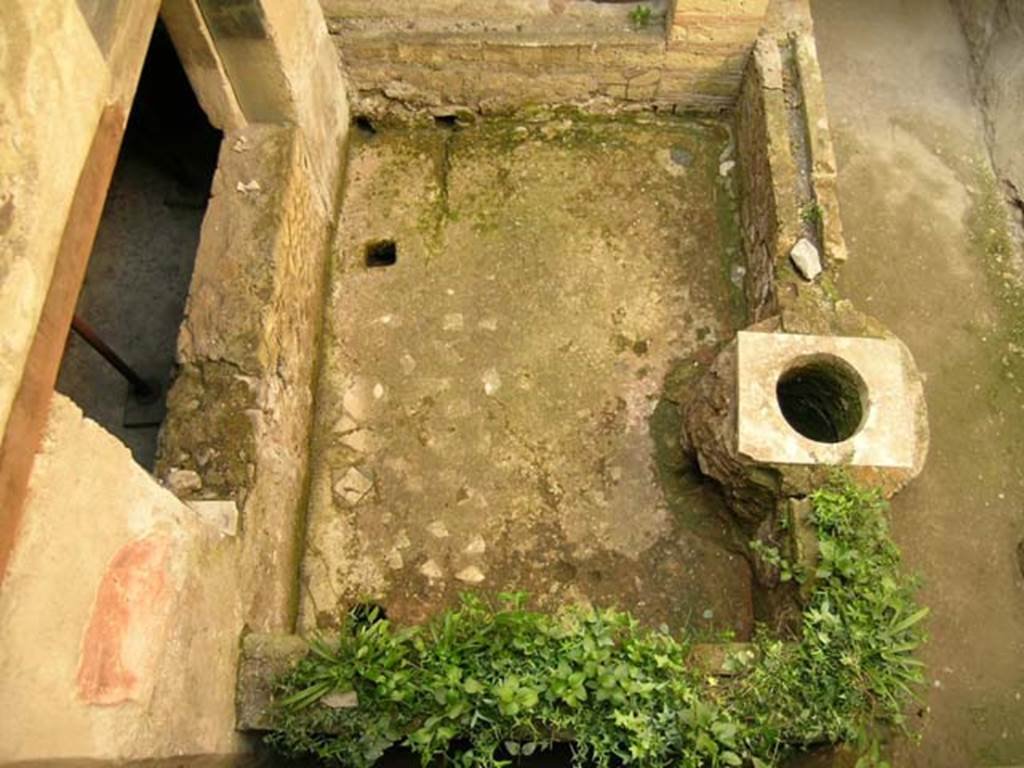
[[240, 410], [787, 170], [588, 55], [768, 208], [716, 21], [425, 11], [787, 177], [820, 158], [283, 68], [995, 36]]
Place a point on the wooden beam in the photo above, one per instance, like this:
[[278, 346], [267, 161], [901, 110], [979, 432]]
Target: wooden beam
[[27, 422]]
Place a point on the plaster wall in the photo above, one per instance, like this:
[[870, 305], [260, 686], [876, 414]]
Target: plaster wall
[[119, 617], [57, 73]]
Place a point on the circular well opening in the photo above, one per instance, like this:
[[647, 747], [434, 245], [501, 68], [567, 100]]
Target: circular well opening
[[823, 398]]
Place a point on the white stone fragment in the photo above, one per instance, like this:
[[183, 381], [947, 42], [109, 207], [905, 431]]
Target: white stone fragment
[[453, 322], [341, 700], [353, 486], [395, 560], [470, 575], [183, 481], [724, 169], [488, 324], [355, 401], [806, 259], [438, 530], [378, 391], [248, 186], [431, 570], [491, 381], [219, 514], [359, 440], [345, 424], [476, 546]]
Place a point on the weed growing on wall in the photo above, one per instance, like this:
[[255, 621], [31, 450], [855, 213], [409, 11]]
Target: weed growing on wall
[[641, 16], [481, 682]]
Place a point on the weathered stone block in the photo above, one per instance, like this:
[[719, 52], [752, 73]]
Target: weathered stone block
[[866, 393], [265, 658], [736, 425], [450, 61], [716, 29], [535, 55], [726, 8], [768, 205]]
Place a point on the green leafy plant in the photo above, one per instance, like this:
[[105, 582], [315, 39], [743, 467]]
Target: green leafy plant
[[504, 680], [640, 16], [812, 215]]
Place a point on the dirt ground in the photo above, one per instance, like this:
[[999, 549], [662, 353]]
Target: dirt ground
[[928, 257], [496, 407]]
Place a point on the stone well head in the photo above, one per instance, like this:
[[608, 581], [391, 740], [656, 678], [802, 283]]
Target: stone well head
[[829, 400], [777, 413]]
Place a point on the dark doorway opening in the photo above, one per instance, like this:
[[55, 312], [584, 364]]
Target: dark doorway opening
[[133, 297]]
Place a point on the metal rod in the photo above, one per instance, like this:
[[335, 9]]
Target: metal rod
[[86, 332]]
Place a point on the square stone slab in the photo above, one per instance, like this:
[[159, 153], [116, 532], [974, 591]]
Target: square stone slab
[[885, 437]]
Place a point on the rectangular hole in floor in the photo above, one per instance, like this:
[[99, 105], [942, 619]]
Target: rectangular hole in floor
[[133, 297], [381, 253]]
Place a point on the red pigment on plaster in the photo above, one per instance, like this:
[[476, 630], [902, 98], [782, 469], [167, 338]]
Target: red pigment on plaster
[[119, 644]]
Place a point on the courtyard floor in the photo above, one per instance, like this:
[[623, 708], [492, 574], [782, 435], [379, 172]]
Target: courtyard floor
[[496, 408]]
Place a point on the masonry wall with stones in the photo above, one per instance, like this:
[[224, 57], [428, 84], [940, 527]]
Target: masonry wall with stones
[[786, 167], [240, 409], [995, 36], [448, 57], [767, 173]]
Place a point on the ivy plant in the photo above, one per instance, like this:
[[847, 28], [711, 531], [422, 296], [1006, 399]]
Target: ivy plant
[[484, 682]]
